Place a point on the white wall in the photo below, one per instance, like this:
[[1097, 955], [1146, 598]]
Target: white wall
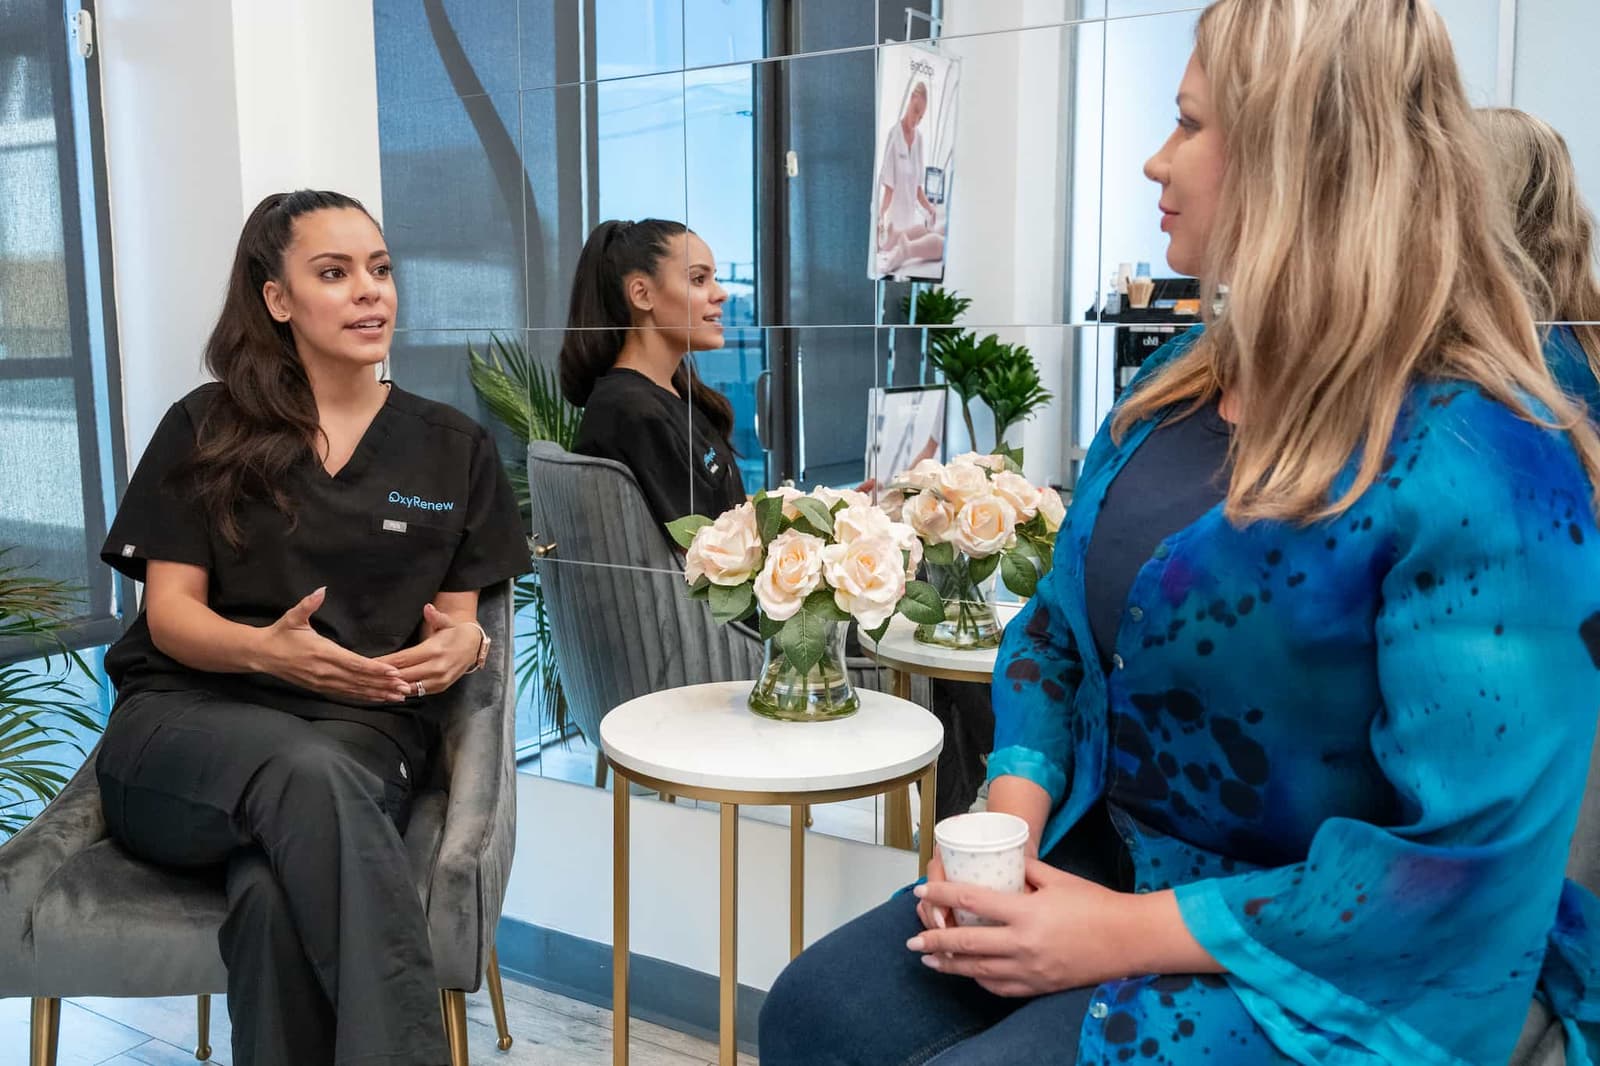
[[172, 162], [307, 98], [562, 878], [208, 107], [1008, 240], [1558, 77]]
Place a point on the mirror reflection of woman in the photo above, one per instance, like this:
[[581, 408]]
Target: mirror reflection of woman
[[908, 223], [645, 295], [1557, 230], [1300, 721]]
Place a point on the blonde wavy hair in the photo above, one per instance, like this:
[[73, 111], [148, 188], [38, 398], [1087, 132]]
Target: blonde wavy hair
[[1535, 174], [1363, 246]]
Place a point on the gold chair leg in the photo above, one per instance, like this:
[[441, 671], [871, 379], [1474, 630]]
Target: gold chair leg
[[453, 1005], [497, 1001], [44, 1031], [202, 1050]]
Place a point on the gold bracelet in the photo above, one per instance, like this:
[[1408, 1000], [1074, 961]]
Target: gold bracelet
[[483, 649]]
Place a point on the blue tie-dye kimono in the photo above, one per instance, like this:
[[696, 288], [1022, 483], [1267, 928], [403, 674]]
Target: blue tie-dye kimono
[[1355, 749], [1569, 365]]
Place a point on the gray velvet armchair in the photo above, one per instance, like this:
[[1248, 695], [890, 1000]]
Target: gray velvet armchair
[[80, 917], [623, 626]]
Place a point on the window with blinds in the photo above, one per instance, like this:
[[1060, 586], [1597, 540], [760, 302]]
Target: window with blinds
[[60, 448]]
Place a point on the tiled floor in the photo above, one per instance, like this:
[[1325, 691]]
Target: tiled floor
[[546, 1030]]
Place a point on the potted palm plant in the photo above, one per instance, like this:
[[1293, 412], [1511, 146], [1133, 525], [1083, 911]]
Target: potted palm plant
[[40, 708], [526, 398], [1002, 375]]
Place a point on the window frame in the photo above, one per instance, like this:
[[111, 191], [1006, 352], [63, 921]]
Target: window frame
[[92, 362]]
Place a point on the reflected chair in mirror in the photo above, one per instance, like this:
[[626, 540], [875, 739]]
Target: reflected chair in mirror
[[81, 917], [624, 625]]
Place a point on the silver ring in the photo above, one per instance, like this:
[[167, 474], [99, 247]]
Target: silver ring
[[418, 691]]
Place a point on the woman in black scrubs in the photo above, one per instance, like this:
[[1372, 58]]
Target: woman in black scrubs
[[645, 295], [312, 542]]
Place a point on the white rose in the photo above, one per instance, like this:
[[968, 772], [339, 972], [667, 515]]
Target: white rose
[[984, 526], [787, 493], [1019, 492], [893, 503], [829, 497], [727, 551], [995, 463], [908, 540], [962, 482], [860, 520], [925, 475], [867, 577], [930, 517], [1052, 508], [793, 572]]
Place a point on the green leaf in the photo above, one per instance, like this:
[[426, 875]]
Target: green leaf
[[522, 395], [1013, 457], [980, 569], [804, 640], [877, 634], [942, 554], [769, 627], [817, 516], [1019, 574], [682, 530], [769, 518], [921, 603], [822, 604], [731, 604], [1027, 549], [1047, 554]]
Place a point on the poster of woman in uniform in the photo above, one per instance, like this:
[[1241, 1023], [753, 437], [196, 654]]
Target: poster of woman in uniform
[[917, 92]]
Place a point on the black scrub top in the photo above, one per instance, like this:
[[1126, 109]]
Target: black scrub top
[[681, 463], [423, 506]]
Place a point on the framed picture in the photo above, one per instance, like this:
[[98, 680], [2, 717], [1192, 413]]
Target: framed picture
[[906, 426], [916, 123]]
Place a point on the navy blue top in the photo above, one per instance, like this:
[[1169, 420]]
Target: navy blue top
[[1178, 474]]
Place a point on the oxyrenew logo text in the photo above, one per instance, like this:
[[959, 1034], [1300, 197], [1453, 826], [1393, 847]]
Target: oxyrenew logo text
[[419, 502]]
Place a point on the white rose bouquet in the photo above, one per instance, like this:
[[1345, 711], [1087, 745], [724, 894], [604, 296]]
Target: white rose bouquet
[[805, 565], [975, 515]]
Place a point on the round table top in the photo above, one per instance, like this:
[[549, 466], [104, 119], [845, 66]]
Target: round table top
[[900, 650], [705, 736]]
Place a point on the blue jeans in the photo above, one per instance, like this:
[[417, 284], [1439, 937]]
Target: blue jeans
[[857, 997]]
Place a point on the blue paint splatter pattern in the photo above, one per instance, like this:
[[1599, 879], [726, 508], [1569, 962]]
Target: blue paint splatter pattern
[[1354, 748]]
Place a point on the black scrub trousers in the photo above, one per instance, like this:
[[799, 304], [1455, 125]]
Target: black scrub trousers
[[299, 799]]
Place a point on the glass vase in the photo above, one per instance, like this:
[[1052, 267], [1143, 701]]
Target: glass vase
[[820, 694], [969, 619]]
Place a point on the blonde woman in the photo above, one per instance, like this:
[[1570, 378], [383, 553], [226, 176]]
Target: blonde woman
[[1556, 229], [1310, 692]]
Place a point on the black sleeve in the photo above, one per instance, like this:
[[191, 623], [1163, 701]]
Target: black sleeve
[[158, 519], [659, 459], [493, 546]]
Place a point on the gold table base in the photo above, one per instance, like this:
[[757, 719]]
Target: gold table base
[[731, 800]]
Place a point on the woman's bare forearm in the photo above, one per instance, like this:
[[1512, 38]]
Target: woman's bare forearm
[[1023, 798]]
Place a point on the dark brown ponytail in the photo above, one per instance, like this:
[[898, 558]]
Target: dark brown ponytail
[[599, 315], [264, 419]]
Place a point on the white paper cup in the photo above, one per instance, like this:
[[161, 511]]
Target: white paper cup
[[987, 849]]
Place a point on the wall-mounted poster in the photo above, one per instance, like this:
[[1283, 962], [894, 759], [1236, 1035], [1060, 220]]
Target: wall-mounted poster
[[917, 93]]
